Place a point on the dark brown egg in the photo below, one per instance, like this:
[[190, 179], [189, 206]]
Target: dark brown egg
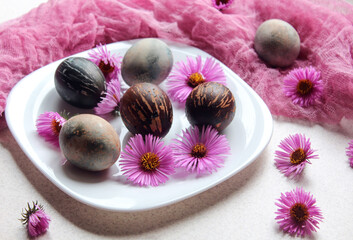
[[89, 142], [210, 104], [146, 109], [79, 82], [148, 60]]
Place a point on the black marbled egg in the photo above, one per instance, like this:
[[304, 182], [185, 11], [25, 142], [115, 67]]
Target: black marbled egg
[[89, 142], [210, 103], [148, 60], [146, 109], [80, 82]]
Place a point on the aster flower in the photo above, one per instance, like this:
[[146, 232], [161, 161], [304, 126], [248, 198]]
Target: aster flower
[[186, 76], [303, 86], [36, 219], [200, 151], [147, 161], [222, 4], [108, 63], [297, 213], [349, 153], [296, 152], [49, 125], [111, 101]]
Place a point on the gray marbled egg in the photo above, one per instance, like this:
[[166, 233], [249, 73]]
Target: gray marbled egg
[[89, 142], [148, 60], [277, 43]]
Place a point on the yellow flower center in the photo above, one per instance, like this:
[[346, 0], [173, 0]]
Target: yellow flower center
[[199, 151], [304, 87], [55, 127], [297, 156], [105, 68], [195, 79], [299, 212], [149, 161]]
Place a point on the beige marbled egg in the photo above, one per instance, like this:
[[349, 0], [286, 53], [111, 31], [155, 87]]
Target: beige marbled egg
[[89, 142]]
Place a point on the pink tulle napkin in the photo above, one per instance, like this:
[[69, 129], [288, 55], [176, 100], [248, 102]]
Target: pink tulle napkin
[[63, 27]]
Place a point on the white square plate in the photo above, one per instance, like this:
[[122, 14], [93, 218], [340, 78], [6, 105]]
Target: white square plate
[[248, 135]]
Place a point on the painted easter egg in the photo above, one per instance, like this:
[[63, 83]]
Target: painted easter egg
[[79, 82], [148, 60], [146, 109], [210, 103], [89, 142], [277, 43]]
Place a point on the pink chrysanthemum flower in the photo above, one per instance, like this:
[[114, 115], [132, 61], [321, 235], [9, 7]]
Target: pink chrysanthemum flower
[[303, 86], [297, 213], [349, 153], [36, 219], [296, 152], [111, 101], [147, 161], [222, 4], [200, 152], [108, 63], [186, 76], [49, 125]]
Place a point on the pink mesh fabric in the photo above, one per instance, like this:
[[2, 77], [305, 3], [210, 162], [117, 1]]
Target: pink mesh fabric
[[63, 27]]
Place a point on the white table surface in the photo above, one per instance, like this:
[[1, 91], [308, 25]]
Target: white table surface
[[239, 208]]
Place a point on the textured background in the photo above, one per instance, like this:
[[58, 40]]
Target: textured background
[[240, 208], [54, 31]]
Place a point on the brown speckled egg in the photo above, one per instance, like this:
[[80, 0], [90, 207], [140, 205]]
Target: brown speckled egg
[[148, 60], [210, 103], [146, 109], [89, 142], [277, 43]]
